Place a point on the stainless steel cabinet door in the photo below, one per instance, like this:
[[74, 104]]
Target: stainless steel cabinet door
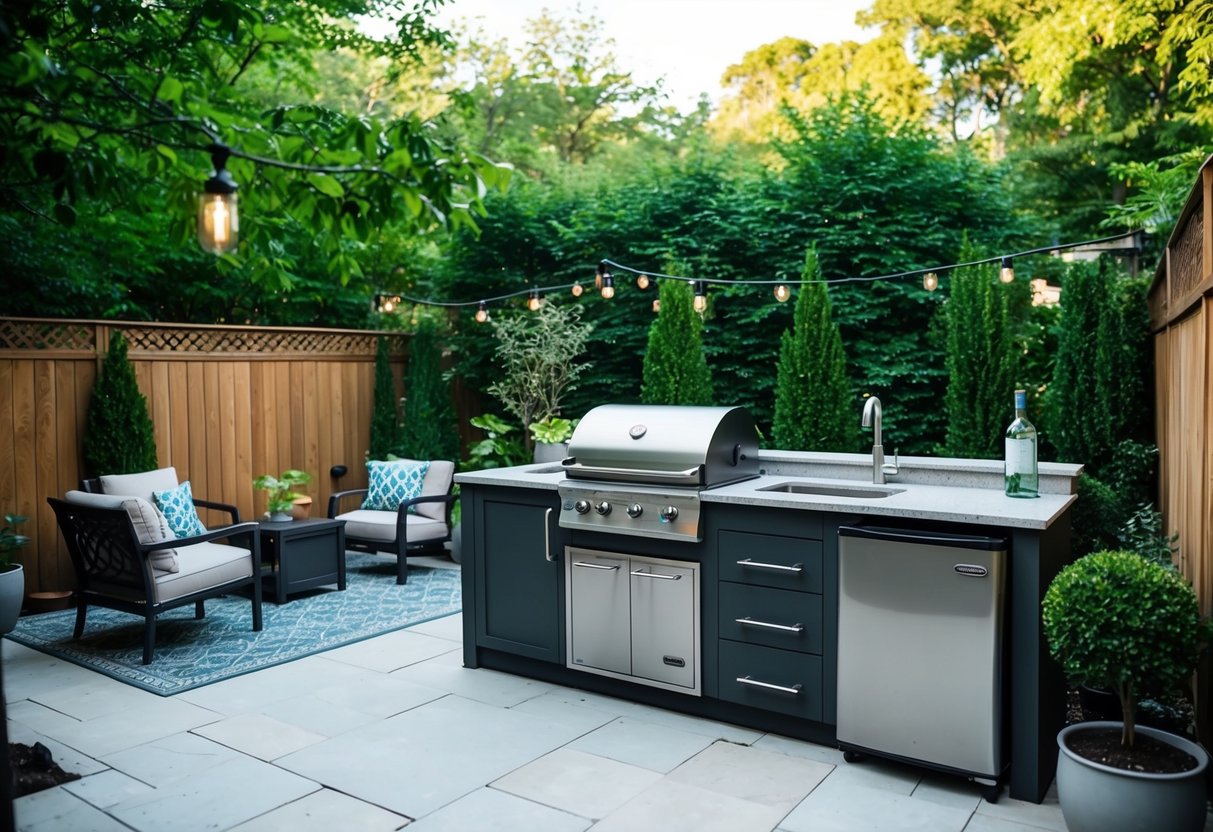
[[665, 627], [598, 596]]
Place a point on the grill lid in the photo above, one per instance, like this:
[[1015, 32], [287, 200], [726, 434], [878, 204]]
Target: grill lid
[[664, 445]]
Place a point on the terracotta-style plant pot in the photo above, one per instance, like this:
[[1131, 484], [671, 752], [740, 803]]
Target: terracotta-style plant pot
[[302, 508], [39, 602]]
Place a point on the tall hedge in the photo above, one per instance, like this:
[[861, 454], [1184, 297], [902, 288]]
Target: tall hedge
[[428, 431], [812, 397], [385, 423], [980, 361], [118, 435], [675, 368]]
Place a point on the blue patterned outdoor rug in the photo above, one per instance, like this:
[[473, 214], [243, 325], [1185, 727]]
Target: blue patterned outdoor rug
[[192, 653]]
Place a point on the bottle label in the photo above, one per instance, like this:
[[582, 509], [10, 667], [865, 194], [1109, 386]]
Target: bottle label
[[1021, 456]]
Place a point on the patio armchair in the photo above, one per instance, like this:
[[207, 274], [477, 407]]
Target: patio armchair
[[403, 521], [127, 559]]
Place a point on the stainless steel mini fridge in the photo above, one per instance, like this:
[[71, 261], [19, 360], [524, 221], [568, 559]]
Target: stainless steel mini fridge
[[920, 648]]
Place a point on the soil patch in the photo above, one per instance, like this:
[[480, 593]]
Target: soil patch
[[1148, 755], [34, 769]]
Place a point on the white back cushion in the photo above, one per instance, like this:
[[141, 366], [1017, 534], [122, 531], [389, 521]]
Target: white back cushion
[[150, 525], [437, 483], [141, 484]]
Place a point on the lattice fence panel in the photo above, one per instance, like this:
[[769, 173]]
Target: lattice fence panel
[[246, 343], [1187, 266], [71, 336]]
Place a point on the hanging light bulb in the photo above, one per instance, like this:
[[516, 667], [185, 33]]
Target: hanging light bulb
[[642, 281], [608, 286], [218, 220], [534, 301], [656, 305], [782, 293], [577, 290], [701, 296], [388, 305], [1007, 273], [598, 276], [930, 281], [482, 313]]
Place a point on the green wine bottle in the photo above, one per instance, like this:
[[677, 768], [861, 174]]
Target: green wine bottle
[[1020, 476]]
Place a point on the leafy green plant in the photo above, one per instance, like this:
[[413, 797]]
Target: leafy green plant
[[552, 430], [812, 396], [118, 436], [1117, 621], [280, 497], [11, 541], [1145, 534], [498, 449]]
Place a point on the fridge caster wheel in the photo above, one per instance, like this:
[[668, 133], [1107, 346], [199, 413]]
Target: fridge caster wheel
[[852, 756], [989, 791]]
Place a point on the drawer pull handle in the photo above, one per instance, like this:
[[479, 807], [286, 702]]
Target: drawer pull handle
[[796, 567], [746, 680], [583, 565], [750, 622], [640, 574]]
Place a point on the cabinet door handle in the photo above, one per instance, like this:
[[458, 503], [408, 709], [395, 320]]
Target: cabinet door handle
[[583, 565], [640, 574], [746, 680], [796, 567], [547, 540], [750, 622]]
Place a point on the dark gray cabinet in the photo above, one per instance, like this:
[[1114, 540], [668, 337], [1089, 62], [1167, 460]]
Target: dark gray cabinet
[[518, 594]]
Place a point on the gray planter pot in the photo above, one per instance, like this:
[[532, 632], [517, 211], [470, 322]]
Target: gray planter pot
[[550, 451], [1098, 798], [12, 592], [457, 543]]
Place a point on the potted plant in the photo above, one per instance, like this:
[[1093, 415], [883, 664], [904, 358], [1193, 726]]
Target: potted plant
[[1118, 621], [280, 497], [12, 575], [551, 436]]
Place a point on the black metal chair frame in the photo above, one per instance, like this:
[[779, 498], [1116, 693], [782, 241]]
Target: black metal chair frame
[[93, 486], [399, 546], [113, 570]]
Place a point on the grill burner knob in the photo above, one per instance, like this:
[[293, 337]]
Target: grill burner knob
[[603, 508], [669, 514], [635, 510], [582, 506]]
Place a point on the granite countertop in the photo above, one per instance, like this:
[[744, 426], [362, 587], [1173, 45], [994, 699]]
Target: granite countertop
[[946, 499]]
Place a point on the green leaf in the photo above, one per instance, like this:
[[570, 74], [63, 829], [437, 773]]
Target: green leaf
[[326, 184], [275, 34], [170, 89]]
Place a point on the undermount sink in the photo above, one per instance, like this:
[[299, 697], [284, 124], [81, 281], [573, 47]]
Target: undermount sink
[[863, 492]]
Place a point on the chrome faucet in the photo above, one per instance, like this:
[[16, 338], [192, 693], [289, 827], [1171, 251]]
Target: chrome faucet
[[871, 419]]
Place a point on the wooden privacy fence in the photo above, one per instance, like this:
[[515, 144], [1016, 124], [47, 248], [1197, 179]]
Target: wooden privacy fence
[[1181, 318], [227, 403]]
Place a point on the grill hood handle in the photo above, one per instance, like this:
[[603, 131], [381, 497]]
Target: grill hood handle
[[577, 470]]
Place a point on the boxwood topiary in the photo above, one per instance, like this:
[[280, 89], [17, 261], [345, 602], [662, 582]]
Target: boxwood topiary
[[1117, 621]]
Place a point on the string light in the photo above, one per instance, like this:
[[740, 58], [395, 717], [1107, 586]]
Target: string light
[[608, 286], [701, 296], [482, 313], [598, 276], [386, 303], [576, 289], [642, 281], [534, 301], [1007, 273], [930, 281], [782, 293], [656, 305]]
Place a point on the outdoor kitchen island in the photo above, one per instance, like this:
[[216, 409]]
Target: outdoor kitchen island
[[516, 557]]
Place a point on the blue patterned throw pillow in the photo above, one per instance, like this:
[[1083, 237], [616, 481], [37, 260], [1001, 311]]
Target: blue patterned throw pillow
[[177, 505], [391, 483]]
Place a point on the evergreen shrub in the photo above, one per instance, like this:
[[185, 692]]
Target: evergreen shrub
[[118, 437]]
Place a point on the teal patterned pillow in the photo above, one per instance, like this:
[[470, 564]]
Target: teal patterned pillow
[[177, 505], [391, 483]]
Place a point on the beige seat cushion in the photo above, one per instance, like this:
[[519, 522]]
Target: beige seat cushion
[[150, 524], [204, 565], [141, 484], [381, 525]]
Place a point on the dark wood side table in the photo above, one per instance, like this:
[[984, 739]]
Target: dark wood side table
[[302, 554]]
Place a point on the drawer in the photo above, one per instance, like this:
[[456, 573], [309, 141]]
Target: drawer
[[774, 617], [770, 560], [775, 680]]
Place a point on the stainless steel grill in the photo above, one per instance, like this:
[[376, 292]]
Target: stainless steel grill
[[639, 469]]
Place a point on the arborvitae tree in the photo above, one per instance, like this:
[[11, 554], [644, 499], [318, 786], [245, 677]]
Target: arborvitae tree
[[1096, 397], [981, 362], [428, 431], [385, 426], [675, 369], [812, 396], [118, 435]]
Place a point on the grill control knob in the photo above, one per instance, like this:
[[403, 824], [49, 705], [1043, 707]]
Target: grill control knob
[[669, 514], [582, 506], [603, 508], [635, 510]]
